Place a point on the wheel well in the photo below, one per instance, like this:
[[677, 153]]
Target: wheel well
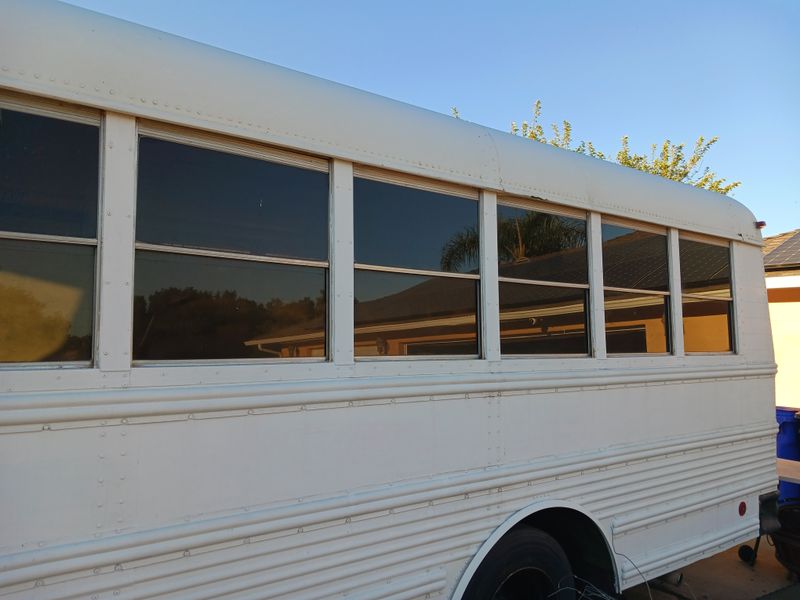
[[583, 543]]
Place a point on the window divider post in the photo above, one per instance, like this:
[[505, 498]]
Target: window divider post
[[341, 261], [675, 293], [597, 315], [117, 229], [489, 315]]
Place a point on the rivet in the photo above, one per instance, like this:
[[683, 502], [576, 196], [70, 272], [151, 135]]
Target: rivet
[[100, 480], [39, 582], [186, 553]]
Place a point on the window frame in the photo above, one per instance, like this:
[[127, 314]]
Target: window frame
[[542, 206], [239, 147], [63, 111], [437, 187], [667, 295], [731, 300]]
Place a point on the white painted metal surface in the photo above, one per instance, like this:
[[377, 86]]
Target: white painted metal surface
[[116, 243], [370, 479], [132, 69]]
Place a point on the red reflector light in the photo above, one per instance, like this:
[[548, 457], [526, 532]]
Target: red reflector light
[[742, 508]]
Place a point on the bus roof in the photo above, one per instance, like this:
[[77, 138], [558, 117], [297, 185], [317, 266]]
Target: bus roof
[[74, 55]]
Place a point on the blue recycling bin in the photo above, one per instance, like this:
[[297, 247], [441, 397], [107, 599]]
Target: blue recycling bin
[[788, 446]]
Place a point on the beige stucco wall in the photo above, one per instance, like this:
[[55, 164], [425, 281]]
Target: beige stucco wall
[[784, 314]]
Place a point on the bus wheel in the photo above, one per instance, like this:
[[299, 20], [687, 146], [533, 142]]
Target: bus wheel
[[526, 564]]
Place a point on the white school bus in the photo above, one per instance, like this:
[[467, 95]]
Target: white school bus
[[267, 336]]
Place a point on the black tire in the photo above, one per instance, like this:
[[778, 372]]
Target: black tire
[[526, 564]]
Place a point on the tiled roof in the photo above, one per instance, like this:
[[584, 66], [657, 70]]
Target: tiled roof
[[782, 250]]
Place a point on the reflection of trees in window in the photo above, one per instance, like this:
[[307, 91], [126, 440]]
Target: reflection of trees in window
[[188, 323], [411, 299], [239, 276], [521, 235]]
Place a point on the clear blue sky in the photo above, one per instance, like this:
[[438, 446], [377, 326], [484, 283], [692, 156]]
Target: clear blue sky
[[650, 70]]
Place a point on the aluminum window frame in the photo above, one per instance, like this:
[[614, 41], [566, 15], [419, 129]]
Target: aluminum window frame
[[542, 206], [437, 187], [672, 349], [238, 147], [63, 111], [732, 329]]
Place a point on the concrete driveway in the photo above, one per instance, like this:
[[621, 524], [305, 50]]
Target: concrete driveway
[[725, 577]]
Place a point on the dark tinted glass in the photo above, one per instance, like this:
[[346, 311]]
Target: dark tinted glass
[[707, 325], [191, 307], [47, 300], [48, 175], [536, 319], [201, 198], [398, 226], [537, 245], [636, 323], [634, 259], [705, 269], [399, 315]]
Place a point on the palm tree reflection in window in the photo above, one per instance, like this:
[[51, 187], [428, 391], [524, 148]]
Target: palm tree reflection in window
[[521, 235]]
